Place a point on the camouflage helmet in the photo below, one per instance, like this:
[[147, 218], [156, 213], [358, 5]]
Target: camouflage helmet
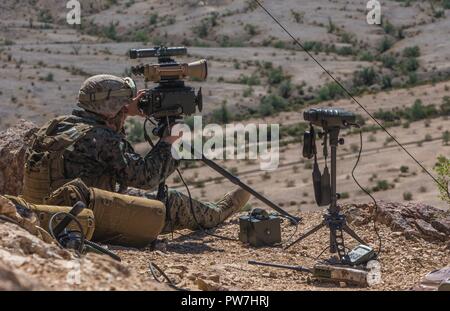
[[106, 94]]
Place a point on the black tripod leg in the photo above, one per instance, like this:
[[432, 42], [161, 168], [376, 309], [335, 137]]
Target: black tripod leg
[[353, 234], [307, 234]]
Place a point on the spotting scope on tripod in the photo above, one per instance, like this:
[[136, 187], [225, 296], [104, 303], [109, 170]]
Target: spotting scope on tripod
[[332, 121]]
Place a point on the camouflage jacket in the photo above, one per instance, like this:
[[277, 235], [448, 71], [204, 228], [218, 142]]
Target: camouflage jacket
[[105, 155]]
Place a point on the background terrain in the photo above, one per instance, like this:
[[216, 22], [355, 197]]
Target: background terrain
[[399, 70]]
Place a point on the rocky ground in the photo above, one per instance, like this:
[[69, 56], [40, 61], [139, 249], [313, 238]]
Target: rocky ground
[[195, 261], [28, 263]]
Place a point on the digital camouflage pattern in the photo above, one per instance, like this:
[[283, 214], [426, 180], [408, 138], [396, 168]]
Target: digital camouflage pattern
[[179, 214], [103, 159]]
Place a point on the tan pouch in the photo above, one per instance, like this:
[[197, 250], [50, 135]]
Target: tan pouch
[[86, 218], [126, 220], [45, 212]]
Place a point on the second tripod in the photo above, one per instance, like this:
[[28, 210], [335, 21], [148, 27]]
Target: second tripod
[[332, 121]]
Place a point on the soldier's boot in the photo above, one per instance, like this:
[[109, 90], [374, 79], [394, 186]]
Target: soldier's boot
[[180, 215], [232, 202]]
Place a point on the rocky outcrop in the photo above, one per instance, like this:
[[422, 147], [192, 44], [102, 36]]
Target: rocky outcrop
[[31, 260], [435, 280], [414, 220], [13, 144], [28, 263]]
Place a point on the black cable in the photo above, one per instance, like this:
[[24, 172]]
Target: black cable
[[321, 252], [296, 227], [102, 250], [195, 217], [375, 228], [154, 268], [82, 236], [353, 98]]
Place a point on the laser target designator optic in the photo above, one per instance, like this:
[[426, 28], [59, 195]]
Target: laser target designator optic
[[171, 98]]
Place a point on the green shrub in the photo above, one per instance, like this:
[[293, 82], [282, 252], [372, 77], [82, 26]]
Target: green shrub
[[389, 61], [413, 51], [418, 111], [247, 92], [409, 64], [439, 13], [366, 56], [153, 19], [442, 168], [141, 36], [407, 196], [110, 31], [275, 75], [388, 27], [49, 77], [331, 26], [385, 44], [298, 16], [446, 4], [271, 104], [285, 89], [222, 115], [382, 185], [345, 51], [249, 80], [313, 46], [446, 137], [45, 16], [404, 169], [445, 106], [330, 91], [129, 3], [251, 30], [365, 77], [295, 130], [279, 44], [386, 115], [412, 78], [386, 82]]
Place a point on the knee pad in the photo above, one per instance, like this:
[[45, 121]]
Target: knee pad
[[126, 220]]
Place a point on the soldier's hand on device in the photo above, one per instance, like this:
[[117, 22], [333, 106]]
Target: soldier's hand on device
[[133, 108]]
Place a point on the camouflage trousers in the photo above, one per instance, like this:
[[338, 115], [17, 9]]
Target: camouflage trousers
[[179, 214]]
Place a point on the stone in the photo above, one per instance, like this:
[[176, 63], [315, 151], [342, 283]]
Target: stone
[[208, 285], [433, 280], [14, 280], [13, 144], [414, 220]]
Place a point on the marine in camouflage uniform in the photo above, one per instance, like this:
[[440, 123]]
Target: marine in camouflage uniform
[[85, 156]]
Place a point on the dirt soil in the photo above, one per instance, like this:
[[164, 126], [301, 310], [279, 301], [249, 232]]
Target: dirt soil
[[196, 261]]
